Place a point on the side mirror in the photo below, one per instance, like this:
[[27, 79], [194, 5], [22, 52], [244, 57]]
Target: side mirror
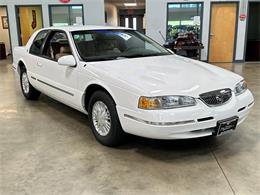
[[68, 60], [169, 50]]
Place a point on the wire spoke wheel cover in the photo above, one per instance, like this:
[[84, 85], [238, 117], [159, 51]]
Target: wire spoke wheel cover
[[25, 83], [101, 118]]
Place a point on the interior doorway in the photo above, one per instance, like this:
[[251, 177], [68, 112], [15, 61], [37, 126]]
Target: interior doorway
[[29, 20], [134, 20], [5, 42], [222, 32], [253, 33], [126, 13]]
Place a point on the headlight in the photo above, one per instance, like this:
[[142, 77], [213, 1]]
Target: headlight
[[165, 102], [241, 87]]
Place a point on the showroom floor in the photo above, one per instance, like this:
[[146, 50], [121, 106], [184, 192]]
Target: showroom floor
[[48, 148]]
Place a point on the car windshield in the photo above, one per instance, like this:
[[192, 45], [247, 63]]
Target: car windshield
[[100, 45]]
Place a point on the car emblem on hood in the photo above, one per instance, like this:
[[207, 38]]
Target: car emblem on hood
[[220, 96], [219, 99]]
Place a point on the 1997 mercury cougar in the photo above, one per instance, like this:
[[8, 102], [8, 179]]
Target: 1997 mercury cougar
[[128, 83]]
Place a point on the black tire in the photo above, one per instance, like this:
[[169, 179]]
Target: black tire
[[115, 135], [32, 93]]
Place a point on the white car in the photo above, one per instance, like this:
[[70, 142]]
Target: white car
[[127, 83]]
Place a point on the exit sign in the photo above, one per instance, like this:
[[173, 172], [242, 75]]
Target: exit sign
[[64, 1]]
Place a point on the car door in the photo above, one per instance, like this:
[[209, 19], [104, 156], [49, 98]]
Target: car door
[[57, 81], [33, 55]]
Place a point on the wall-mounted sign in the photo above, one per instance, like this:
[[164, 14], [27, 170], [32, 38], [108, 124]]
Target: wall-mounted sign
[[34, 19], [64, 1], [4, 22], [242, 17], [79, 20], [196, 20]]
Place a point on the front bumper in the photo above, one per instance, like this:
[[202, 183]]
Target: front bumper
[[182, 123]]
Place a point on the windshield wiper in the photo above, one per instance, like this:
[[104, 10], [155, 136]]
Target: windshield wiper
[[101, 58], [106, 58]]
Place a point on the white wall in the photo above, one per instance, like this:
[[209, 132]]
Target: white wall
[[94, 13], [157, 21], [4, 33], [112, 15]]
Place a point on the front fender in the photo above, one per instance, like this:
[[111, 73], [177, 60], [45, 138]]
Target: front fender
[[17, 67], [101, 84], [121, 97]]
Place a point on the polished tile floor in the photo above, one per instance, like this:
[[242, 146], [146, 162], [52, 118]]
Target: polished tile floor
[[48, 148]]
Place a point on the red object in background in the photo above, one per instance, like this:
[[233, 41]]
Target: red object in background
[[34, 21], [130, 11], [64, 1], [242, 17]]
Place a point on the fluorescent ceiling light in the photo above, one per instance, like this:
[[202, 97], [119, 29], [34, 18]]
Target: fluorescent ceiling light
[[130, 4]]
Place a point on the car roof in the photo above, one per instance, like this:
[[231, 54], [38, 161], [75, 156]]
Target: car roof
[[87, 27]]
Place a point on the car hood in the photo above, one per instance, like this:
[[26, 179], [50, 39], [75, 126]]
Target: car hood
[[167, 75]]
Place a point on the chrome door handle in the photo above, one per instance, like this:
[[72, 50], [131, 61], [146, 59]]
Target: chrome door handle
[[39, 63], [212, 35]]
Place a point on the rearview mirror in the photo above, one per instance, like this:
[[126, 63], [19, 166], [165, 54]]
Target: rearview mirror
[[68, 60]]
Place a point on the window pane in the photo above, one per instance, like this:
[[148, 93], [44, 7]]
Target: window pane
[[60, 16], [134, 24], [37, 43], [67, 15], [126, 22], [98, 45], [57, 46], [184, 17], [76, 14]]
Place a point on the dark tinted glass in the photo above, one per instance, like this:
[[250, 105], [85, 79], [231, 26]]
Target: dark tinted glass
[[37, 43], [97, 45]]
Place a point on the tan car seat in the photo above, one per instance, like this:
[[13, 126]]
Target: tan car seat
[[64, 51]]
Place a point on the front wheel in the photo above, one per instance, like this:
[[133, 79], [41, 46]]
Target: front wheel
[[104, 120], [28, 90]]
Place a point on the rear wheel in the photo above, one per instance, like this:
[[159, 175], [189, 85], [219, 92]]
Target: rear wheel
[[104, 120], [28, 90]]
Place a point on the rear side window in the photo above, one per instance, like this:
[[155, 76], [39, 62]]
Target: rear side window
[[37, 42]]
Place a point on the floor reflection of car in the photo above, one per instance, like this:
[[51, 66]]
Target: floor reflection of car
[[127, 83]]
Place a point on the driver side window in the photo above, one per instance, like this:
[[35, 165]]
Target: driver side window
[[57, 46], [37, 42]]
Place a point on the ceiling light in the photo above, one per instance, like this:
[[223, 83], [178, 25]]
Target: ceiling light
[[130, 4]]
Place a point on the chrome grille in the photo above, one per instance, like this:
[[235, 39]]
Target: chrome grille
[[217, 97]]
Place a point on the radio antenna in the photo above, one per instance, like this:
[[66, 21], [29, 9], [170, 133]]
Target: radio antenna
[[162, 36]]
